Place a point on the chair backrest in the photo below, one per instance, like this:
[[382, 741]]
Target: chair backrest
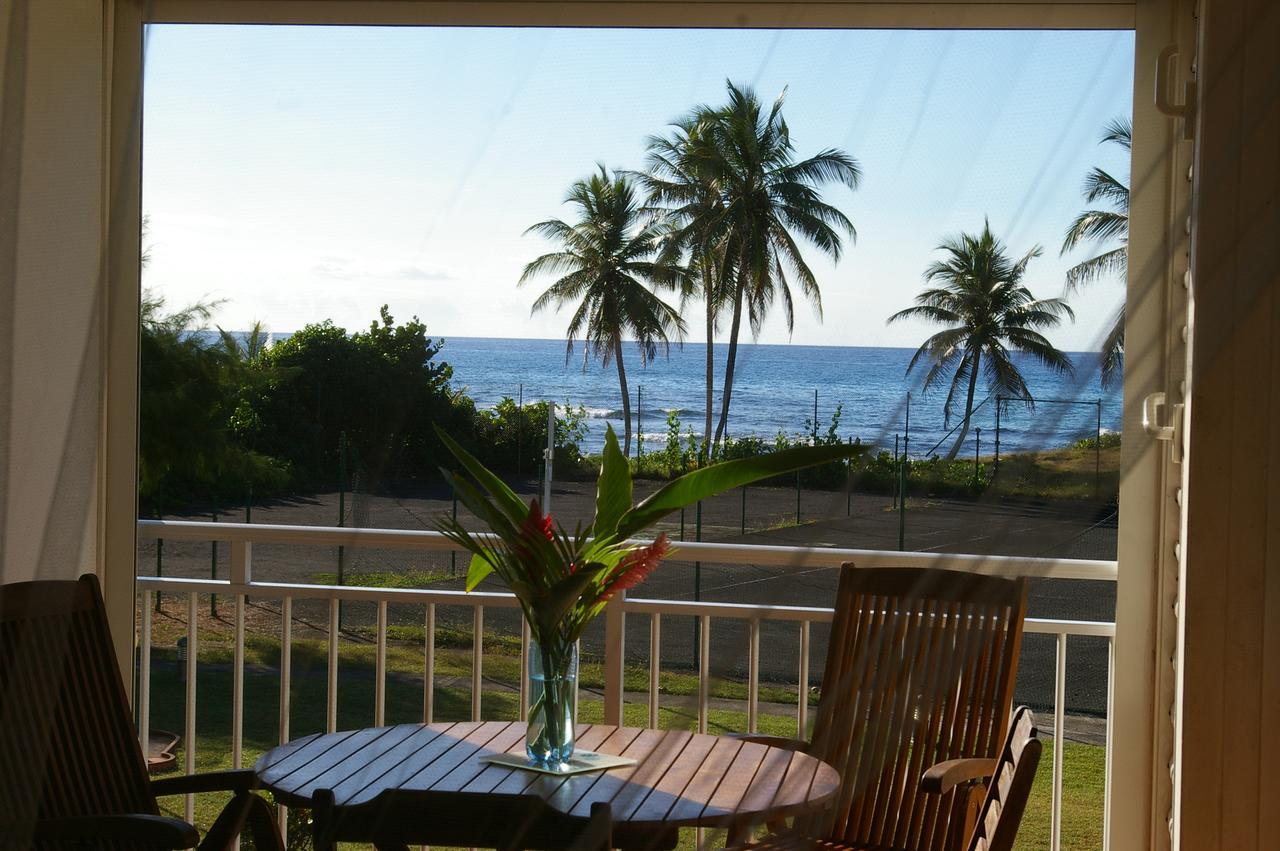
[[1006, 800], [920, 669], [67, 741]]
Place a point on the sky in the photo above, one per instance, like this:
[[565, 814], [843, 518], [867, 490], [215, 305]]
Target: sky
[[296, 174]]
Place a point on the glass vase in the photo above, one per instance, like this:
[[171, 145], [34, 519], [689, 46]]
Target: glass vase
[[553, 677]]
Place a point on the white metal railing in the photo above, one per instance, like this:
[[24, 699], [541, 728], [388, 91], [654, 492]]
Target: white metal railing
[[241, 585]]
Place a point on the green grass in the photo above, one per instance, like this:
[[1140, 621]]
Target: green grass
[[1083, 764]]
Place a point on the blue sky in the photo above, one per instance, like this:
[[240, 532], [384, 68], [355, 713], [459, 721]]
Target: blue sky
[[304, 173]]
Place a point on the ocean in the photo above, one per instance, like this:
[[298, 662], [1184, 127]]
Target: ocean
[[774, 392]]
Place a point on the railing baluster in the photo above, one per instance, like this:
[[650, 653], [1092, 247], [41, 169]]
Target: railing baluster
[[704, 671], [331, 711], [241, 575], [144, 675], [286, 670], [655, 667], [286, 665], [524, 668], [477, 663], [380, 669], [753, 677], [1111, 714], [615, 649], [1059, 725], [429, 666], [802, 696], [237, 687], [189, 715], [577, 651]]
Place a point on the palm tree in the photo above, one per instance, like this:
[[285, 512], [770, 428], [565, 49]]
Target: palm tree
[[609, 266], [767, 197], [980, 297], [683, 193], [1105, 227]]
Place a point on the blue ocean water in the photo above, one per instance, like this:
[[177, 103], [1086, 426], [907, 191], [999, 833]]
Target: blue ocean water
[[774, 392]]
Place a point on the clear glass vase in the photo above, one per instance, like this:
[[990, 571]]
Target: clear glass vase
[[553, 676]]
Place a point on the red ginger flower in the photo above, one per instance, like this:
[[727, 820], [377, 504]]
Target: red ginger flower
[[534, 524], [636, 566]]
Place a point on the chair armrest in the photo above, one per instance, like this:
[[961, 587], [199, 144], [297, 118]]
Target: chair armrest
[[945, 776], [235, 780], [783, 742], [134, 827]]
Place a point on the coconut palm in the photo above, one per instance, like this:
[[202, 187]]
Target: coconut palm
[[1106, 227], [764, 199], [684, 194], [609, 263], [979, 296]]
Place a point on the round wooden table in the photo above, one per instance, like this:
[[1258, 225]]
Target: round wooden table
[[680, 779]]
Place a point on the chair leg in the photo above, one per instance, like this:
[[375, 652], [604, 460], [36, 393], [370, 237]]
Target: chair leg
[[227, 826], [263, 826]]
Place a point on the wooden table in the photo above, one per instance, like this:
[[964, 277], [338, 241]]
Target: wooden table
[[681, 779]]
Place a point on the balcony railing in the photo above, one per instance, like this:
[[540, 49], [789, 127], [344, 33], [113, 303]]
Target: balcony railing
[[241, 586]]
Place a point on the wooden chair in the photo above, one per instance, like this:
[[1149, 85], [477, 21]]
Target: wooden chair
[[74, 774], [397, 819], [920, 670], [1011, 774]]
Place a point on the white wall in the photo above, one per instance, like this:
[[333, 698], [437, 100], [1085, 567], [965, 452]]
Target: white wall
[[50, 387]]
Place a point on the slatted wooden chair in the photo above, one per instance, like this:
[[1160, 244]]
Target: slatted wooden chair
[[398, 818], [74, 775], [920, 670], [1010, 776]]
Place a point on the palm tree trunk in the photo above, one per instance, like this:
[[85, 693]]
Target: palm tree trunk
[[626, 397], [968, 406], [730, 361], [711, 366]]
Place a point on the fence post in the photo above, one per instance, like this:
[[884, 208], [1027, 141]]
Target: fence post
[[848, 483], [639, 420], [159, 552], [519, 428], [453, 554], [1097, 452], [893, 478], [697, 574], [977, 446], [902, 503], [995, 467], [615, 642], [342, 508], [744, 509], [906, 433], [213, 569], [550, 456]]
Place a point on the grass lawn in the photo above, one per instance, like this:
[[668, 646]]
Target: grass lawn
[[1084, 764]]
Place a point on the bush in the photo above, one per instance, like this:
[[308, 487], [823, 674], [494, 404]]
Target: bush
[[1107, 440]]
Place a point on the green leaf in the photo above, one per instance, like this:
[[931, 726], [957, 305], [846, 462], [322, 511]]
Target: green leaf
[[560, 599], [709, 481], [613, 492], [480, 567], [503, 496]]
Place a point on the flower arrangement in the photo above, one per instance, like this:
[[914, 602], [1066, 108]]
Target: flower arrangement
[[564, 581]]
